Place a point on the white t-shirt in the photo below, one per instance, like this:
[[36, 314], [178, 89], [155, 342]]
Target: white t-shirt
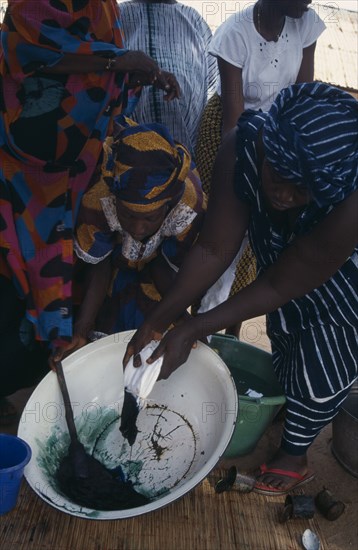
[[267, 67]]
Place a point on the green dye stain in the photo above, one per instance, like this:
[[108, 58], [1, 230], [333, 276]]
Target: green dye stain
[[92, 431], [89, 427], [92, 425], [93, 428], [51, 452]]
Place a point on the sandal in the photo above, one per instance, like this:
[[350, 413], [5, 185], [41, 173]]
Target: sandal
[[266, 489]]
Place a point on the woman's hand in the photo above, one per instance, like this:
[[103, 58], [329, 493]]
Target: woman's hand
[[162, 80], [139, 78], [61, 353], [136, 60], [144, 335], [143, 70], [175, 347], [171, 86]]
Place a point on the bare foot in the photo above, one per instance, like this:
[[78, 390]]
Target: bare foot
[[282, 474], [8, 413]]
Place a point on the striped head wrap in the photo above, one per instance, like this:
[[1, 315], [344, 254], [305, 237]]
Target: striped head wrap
[[311, 138], [144, 167]]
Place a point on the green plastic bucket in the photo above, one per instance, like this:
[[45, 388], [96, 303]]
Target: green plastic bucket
[[251, 369]]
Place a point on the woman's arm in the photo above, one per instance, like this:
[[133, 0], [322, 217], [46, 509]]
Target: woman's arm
[[231, 94], [144, 69], [224, 228], [306, 72], [162, 274], [96, 286], [308, 263], [163, 277], [219, 240], [125, 63]]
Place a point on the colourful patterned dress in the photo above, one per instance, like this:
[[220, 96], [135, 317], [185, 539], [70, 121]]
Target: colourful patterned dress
[[52, 127], [100, 234]]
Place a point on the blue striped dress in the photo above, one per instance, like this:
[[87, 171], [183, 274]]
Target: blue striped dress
[[177, 37], [314, 338]]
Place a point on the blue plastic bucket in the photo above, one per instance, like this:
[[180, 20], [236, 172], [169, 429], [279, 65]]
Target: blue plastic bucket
[[15, 453]]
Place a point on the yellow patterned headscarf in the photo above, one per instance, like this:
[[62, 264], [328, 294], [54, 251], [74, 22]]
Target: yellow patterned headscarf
[[143, 166]]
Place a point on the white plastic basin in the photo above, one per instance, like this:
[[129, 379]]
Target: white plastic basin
[[184, 430]]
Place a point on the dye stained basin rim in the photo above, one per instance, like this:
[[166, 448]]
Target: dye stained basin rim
[[184, 430]]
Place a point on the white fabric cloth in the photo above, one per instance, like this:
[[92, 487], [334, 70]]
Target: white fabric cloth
[[140, 381], [177, 37], [220, 290], [267, 66]]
